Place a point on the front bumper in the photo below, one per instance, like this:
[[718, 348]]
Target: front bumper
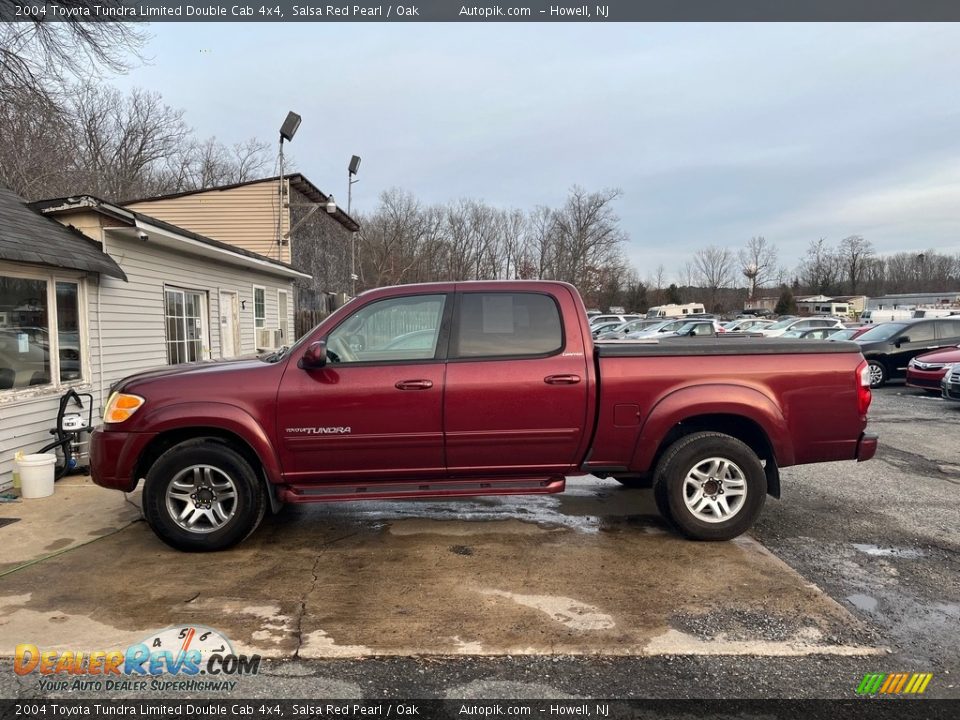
[[949, 390], [114, 455], [866, 446], [925, 379]]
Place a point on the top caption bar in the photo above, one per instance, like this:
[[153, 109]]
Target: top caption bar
[[451, 11]]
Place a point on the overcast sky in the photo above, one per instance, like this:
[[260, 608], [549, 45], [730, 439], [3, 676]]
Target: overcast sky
[[715, 132]]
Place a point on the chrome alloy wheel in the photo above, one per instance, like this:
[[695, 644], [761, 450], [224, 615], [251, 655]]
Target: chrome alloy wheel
[[876, 375], [201, 498], [714, 490]]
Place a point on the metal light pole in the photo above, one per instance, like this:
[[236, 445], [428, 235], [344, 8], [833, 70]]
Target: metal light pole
[[351, 172]]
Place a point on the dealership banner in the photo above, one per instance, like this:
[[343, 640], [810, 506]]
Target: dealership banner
[[503, 11]]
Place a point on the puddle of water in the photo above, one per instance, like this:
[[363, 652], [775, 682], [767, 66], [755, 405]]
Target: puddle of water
[[863, 602], [878, 551]]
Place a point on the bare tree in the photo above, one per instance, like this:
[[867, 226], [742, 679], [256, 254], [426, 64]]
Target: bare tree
[[820, 270], [758, 262], [40, 54], [854, 253], [587, 237], [715, 270]]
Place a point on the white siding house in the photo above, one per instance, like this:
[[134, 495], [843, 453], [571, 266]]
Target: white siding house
[[176, 297]]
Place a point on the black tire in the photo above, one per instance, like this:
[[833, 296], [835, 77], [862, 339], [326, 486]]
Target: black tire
[[878, 374], [246, 505], [682, 458]]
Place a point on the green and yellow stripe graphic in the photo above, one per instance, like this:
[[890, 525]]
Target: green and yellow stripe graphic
[[894, 683]]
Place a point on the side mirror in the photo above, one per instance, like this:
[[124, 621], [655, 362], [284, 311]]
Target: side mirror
[[315, 356], [903, 340]]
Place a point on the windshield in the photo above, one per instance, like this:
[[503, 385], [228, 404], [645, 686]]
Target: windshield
[[843, 334], [881, 332], [781, 324]]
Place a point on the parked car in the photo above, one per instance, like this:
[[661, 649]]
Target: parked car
[[874, 317], [621, 331], [814, 334], [514, 397], [747, 325], [928, 370], [599, 319], [600, 328], [889, 347], [950, 385], [654, 331], [785, 324], [696, 328], [849, 333]]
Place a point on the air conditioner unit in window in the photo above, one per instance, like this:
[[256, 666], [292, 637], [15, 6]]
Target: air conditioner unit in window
[[269, 338]]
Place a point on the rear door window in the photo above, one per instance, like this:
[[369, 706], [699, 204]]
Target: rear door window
[[920, 332], [507, 325], [948, 330]]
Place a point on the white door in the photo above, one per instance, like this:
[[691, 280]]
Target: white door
[[284, 318], [229, 323]]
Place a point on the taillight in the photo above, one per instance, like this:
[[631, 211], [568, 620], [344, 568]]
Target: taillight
[[864, 396]]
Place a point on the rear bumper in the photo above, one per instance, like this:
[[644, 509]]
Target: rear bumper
[[114, 455], [866, 446]]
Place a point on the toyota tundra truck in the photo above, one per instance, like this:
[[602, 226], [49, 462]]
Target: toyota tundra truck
[[478, 388]]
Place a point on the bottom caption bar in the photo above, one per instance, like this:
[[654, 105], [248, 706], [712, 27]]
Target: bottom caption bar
[[871, 709]]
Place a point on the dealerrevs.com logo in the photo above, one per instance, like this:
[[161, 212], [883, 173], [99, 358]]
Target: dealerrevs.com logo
[[190, 658]]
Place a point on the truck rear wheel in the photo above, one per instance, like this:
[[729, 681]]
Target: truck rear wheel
[[202, 495], [710, 485]]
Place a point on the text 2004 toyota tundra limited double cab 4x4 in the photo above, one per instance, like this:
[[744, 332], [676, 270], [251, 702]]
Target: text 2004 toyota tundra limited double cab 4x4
[[485, 388]]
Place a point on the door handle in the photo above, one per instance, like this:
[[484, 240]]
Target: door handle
[[414, 385], [561, 379]]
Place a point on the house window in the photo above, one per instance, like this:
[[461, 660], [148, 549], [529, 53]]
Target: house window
[[259, 307], [184, 311], [40, 332]]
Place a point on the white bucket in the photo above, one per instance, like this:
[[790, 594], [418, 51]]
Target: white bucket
[[36, 475]]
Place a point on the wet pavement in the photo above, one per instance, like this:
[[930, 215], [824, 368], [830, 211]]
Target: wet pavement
[[590, 572], [582, 594]]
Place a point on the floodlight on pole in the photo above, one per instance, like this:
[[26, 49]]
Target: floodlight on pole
[[287, 131], [351, 171]]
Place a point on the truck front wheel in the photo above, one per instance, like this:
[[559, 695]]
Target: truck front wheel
[[710, 485], [202, 495]]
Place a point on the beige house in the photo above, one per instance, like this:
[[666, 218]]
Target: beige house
[[288, 222]]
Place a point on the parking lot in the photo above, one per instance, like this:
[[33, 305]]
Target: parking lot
[[586, 593]]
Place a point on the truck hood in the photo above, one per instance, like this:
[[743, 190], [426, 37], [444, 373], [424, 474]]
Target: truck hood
[[206, 367]]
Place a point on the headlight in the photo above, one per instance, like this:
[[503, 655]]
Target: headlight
[[121, 406]]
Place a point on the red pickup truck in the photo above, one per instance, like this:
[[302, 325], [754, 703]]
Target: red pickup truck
[[481, 388]]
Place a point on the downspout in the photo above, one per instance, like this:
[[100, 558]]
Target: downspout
[[103, 399]]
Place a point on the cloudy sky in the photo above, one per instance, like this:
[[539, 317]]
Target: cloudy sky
[[714, 132]]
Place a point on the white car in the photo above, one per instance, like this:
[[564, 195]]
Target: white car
[[655, 331], [779, 328], [747, 325], [619, 319]]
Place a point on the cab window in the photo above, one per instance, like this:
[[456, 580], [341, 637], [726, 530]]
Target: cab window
[[391, 330], [507, 325]]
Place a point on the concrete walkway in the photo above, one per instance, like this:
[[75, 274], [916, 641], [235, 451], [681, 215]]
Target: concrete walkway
[[592, 571]]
